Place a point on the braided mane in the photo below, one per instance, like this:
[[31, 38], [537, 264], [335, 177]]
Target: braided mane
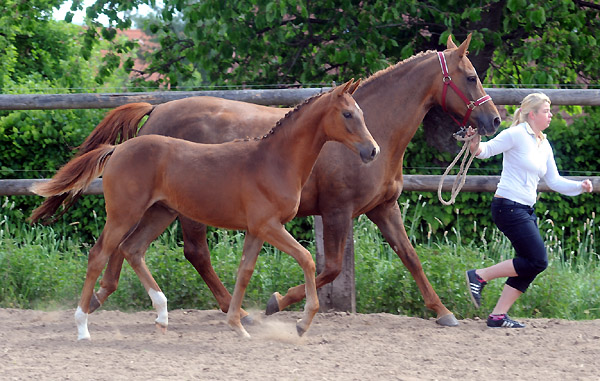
[[286, 117], [394, 67]]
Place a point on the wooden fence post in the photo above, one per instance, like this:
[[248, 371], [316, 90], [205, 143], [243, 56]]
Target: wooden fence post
[[339, 295]]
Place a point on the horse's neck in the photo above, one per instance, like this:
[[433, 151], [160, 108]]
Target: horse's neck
[[297, 141], [395, 102]]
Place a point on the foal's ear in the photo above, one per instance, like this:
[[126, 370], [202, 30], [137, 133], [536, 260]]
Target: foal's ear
[[341, 89], [354, 86], [462, 49]]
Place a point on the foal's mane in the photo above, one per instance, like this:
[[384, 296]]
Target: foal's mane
[[286, 117], [394, 67]]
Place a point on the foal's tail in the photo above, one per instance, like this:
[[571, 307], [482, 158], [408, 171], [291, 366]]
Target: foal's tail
[[117, 126], [74, 177]]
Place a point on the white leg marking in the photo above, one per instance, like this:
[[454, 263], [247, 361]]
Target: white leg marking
[[81, 319], [159, 301]]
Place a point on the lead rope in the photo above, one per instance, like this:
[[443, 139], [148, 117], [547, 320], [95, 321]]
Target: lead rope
[[462, 172]]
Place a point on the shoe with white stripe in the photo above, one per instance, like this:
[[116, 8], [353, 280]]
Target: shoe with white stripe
[[503, 320], [475, 285]]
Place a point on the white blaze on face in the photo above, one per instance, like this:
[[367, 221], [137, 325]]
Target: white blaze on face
[[357, 106]]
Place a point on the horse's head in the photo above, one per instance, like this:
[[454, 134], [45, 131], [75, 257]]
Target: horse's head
[[461, 90], [345, 122]]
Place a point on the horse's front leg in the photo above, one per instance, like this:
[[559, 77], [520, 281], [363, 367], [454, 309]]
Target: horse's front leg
[[388, 218], [252, 246], [336, 227]]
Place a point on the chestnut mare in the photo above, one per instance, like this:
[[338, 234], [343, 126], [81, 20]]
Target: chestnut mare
[[251, 184], [394, 102]]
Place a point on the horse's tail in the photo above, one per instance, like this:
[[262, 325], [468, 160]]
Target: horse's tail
[[117, 126], [73, 178]]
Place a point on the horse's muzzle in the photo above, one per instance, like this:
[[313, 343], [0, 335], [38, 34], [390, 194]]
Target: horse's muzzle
[[488, 126], [368, 154]]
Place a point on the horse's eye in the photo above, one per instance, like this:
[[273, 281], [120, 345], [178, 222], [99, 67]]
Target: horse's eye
[[347, 114], [472, 78]]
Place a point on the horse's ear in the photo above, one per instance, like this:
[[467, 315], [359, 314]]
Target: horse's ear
[[341, 89], [354, 86], [450, 44], [462, 49]]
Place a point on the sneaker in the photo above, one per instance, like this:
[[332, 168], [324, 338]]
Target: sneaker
[[503, 320], [475, 285]]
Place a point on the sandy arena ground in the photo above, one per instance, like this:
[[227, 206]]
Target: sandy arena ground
[[38, 345]]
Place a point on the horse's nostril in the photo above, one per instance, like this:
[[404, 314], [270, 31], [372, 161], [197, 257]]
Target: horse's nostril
[[497, 121], [374, 152]]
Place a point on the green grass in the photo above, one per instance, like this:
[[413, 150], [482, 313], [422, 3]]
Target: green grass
[[40, 269]]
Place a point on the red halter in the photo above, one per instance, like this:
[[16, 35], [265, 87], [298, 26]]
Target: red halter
[[448, 82]]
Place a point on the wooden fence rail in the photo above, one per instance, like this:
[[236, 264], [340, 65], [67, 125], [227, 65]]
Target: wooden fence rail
[[412, 183], [284, 97]]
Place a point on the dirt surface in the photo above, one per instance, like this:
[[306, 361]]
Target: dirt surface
[[200, 346]]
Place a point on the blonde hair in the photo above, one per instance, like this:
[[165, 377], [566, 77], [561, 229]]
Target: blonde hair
[[531, 102]]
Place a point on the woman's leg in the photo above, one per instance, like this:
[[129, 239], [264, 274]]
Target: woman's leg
[[503, 269], [507, 298]]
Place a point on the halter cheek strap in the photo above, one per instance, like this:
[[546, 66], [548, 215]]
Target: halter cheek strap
[[448, 82]]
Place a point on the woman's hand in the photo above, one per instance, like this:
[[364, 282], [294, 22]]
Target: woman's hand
[[474, 143], [587, 186]]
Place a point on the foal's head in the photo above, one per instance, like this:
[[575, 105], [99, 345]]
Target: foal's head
[[344, 122], [461, 72]]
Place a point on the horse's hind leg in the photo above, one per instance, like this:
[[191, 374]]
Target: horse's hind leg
[[105, 246], [388, 218], [134, 254], [155, 220], [195, 249]]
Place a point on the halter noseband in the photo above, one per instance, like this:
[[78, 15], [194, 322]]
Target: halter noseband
[[448, 82]]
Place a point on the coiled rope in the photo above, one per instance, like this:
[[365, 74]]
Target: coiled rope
[[461, 177]]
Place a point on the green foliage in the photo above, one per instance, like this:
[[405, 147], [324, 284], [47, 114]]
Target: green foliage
[[35, 143], [23, 49], [547, 43], [282, 42]]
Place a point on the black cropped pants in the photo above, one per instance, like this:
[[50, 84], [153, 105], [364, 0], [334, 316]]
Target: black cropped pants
[[518, 223]]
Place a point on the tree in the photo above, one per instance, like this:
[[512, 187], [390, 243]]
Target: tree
[[283, 42], [40, 55]]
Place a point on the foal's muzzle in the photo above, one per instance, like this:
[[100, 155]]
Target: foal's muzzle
[[369, 153]]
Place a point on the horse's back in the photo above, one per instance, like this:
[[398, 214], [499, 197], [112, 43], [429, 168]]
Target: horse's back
[[211, 120], [201, 181]]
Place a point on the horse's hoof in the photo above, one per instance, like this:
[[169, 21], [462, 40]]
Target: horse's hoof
[[248, 321], [239, 329], [447, 321], [161, 328], [273, 304], [300, 330], [94, 303]]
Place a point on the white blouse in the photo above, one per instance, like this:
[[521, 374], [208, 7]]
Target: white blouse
[[524, 163]]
